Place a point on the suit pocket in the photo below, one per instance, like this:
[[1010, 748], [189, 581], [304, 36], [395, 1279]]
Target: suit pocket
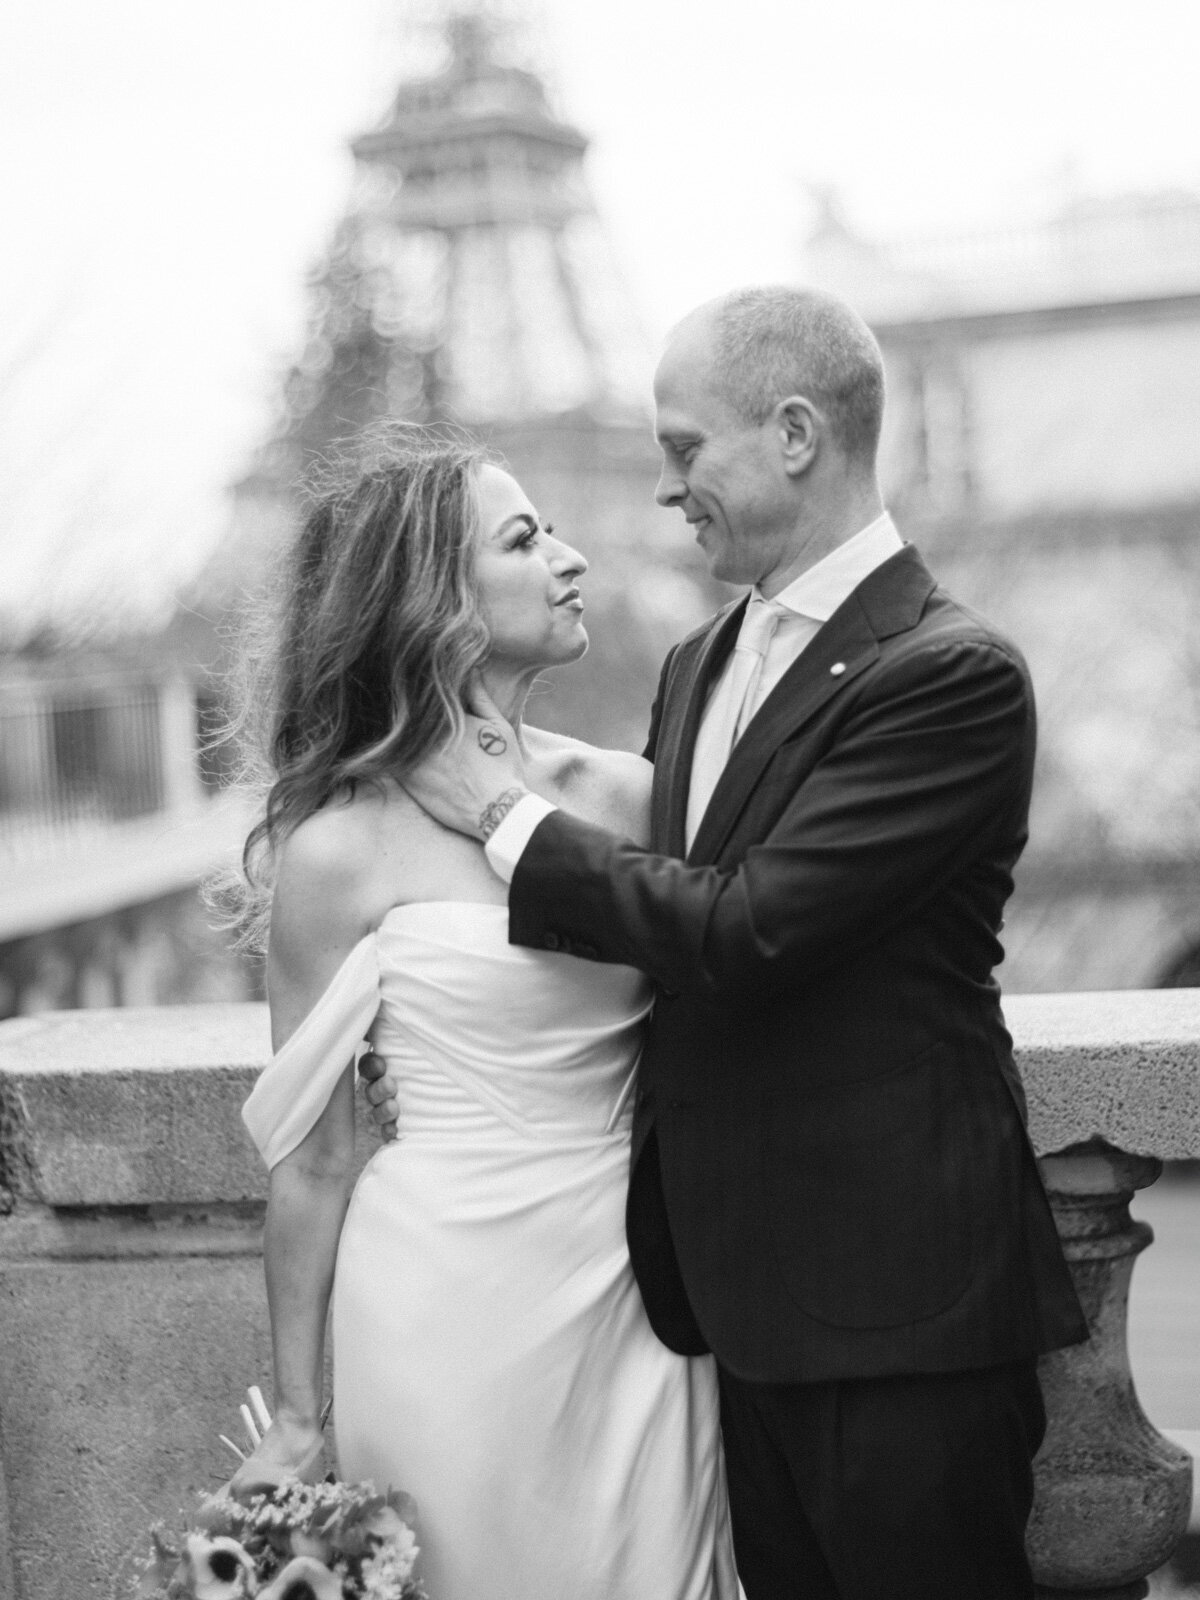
[[872, 1187]]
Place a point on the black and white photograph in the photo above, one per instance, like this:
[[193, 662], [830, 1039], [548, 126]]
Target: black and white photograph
[[599, 800]]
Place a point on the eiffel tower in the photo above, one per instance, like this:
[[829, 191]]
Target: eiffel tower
[[470, 280]]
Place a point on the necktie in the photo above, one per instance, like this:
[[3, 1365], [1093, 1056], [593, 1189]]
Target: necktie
[[749, 657], [733, 703]]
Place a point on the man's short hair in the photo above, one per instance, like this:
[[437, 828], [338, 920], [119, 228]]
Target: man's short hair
[[778, 341]]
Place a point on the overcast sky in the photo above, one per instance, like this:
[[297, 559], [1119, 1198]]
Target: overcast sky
[[168, 170]]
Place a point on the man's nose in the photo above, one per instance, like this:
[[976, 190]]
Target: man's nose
[[671, 487]]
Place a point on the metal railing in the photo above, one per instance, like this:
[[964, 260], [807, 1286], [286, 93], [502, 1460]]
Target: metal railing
[[75, 756]]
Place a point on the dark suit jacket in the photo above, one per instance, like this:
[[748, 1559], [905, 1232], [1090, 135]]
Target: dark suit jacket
[[831, 1173]]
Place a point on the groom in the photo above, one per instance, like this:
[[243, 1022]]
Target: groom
[[831, 1186]]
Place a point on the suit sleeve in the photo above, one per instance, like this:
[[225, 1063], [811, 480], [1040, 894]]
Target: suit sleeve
[[930, 765]]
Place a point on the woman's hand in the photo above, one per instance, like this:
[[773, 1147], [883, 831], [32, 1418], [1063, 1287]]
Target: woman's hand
[[288, 1449]]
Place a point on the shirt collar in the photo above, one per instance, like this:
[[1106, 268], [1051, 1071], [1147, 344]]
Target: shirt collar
[[818, 592]]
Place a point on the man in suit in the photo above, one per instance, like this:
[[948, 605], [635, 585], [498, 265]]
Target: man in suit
[[831, 1186]]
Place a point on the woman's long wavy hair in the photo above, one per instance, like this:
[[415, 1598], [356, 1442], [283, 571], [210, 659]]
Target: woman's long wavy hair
[[358, 664]]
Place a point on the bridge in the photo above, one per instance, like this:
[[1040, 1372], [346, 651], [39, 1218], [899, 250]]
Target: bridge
[[111, 814]]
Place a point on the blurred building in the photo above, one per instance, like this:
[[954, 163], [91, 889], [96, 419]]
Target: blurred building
[[1042, 447], [470, 281], [111, 812]]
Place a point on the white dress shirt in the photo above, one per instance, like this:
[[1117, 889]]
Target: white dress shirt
[[803, 606]]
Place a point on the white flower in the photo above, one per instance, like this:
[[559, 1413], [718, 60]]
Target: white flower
[[218, 1569], [304, 1576], [385, 1572]]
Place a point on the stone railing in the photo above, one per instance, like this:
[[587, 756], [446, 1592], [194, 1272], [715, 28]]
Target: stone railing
[[132, 1312], [1114, 1090]]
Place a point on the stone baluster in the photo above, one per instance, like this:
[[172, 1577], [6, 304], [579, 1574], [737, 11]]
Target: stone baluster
[[130, 1280], [1113, 1083], [1113, 1496]]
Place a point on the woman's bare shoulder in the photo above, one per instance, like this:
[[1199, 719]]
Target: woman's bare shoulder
[[329, 849], [345, 864], [627, 774], [610, 787]]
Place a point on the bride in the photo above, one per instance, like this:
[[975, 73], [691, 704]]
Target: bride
[[490, 1350]]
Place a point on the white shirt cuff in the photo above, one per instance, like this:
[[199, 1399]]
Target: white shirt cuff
[[506, 846]]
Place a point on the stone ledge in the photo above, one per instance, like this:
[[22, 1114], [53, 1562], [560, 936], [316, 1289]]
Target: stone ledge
[[134, 1107], [131, 1107], [142, 1107], [34, 1237], [1122, 1066], [136, 1039]]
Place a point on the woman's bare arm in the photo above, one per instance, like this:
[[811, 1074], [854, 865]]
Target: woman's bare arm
[[317, 918]]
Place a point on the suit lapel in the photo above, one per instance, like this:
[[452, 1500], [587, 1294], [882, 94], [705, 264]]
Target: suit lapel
[[685, 701], [889, 601], [846, 639]]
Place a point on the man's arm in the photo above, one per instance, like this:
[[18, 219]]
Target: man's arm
[[934, 759], [508, 824]]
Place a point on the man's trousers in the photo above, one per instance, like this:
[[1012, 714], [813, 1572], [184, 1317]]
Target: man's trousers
[[897, 1488]]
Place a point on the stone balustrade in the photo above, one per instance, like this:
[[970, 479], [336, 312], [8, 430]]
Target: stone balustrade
[[132, 1312]]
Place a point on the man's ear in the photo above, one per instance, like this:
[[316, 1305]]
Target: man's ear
[[799, 430]]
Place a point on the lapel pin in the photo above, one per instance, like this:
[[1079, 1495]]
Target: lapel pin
[[838, 668]]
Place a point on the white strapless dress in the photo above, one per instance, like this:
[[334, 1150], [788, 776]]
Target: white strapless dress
[[491, 1353]]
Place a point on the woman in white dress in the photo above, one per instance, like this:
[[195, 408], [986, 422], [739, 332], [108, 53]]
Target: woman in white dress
[[491, 1353]]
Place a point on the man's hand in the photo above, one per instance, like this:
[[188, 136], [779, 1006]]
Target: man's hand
[[472, 783], [379, 1088]]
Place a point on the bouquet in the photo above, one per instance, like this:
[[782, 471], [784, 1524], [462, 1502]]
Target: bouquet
[[296, 1541]]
